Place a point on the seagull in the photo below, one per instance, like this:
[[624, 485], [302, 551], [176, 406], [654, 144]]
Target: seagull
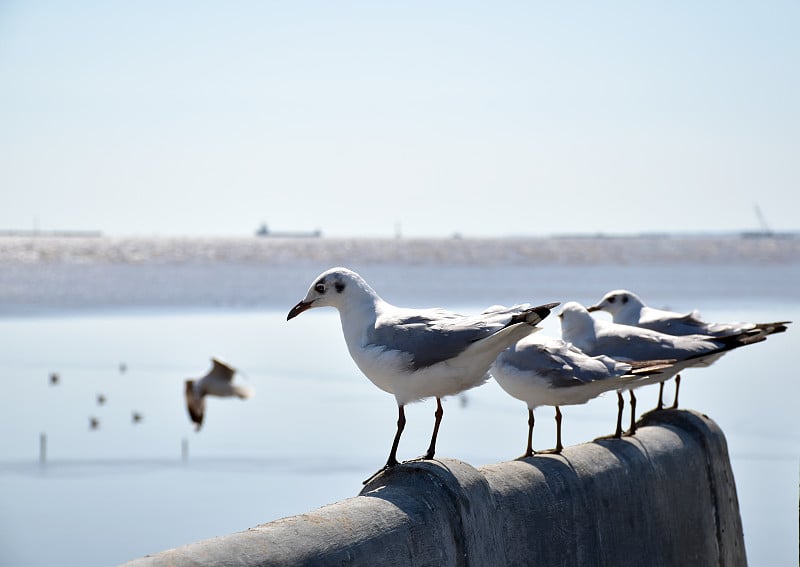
[[545, 371], [101, 399], [136, 417], [626, 342], [417, 353], [218, 382], [54, 378], [627, 308], [94, 423]]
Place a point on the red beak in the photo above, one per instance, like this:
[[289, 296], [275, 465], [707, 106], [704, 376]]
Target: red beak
[[299, 308]]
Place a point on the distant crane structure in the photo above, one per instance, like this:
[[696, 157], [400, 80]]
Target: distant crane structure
[[765, 229]]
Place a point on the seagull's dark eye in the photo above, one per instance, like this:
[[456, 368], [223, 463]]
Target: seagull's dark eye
[[319, 288], [624, 299], [612, 299]]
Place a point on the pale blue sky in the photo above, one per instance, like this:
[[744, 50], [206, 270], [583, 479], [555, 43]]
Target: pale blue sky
[[483, 118]]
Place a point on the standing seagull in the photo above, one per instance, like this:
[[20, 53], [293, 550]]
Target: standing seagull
[[626, 308], [626, 342], [417, 353], [543, 371], [218, 382]]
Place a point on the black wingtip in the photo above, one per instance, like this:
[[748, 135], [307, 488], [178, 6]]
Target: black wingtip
[[544, 310], [535, 315]]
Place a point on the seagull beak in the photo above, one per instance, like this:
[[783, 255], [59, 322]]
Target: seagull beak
[[593, 308], [299, 308]]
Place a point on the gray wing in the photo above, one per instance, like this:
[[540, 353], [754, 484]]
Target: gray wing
[[221, 371], [562, 364], [433, 336], [624, 343], [688, 324], [546, 360]]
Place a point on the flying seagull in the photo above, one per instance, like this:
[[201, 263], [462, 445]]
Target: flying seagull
[[217, 382]]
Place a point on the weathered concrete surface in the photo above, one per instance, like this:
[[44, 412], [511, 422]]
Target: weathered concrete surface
[[664, 497]]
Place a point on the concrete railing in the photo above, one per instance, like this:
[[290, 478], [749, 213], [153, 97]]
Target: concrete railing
[[664, 497]]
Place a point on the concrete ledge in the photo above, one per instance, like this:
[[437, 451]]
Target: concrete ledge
[[664, 497]]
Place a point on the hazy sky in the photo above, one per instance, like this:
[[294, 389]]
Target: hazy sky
[[482, 118]]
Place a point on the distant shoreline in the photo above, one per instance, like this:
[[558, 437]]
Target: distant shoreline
[[52, 233], [100, 275], [557, 250]]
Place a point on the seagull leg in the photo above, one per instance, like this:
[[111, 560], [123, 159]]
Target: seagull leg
[[559, 446], [677, 387], [392, 461], [620, 407], [401, 424], [617, 432], [529, 449], [438, 415], [660, 405], [632, 430]]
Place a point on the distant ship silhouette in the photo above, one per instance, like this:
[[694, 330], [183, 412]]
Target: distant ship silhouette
[[263, 230]]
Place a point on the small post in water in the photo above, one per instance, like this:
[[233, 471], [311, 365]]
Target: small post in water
[[42, 448]]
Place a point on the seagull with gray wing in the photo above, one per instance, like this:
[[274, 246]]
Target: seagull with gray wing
[[626, 308], [417, 353], [544, 371], [626, 343]]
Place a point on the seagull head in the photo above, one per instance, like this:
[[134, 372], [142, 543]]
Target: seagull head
[[331, 288], [618, 301], [576, 321]]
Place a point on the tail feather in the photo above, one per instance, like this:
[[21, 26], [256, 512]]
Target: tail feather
[[647, 367], [745, 338], [772, 328], [243, 392]]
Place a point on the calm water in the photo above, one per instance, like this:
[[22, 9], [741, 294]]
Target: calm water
[[317, 427]]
